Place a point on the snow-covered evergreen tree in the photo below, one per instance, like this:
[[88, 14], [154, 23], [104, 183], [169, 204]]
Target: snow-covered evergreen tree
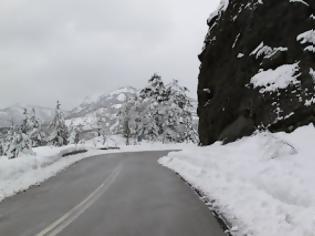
[[102, 128], [166, 112], [19, 143], [127, 119], [74, 134], [179, 115], [26, 126], [155, 89], [31, 127], [59, 131], [153, 97], [8, 139], [1, 147], [18, 140]]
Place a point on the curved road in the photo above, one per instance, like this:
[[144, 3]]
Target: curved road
[[127, 194]]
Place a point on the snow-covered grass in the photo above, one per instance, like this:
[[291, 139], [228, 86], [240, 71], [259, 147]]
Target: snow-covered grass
[[263, 184], [19, 174]]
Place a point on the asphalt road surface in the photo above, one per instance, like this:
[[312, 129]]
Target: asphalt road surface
[[127, 194]]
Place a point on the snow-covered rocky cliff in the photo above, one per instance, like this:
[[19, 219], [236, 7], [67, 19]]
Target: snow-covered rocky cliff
[[257, 68]]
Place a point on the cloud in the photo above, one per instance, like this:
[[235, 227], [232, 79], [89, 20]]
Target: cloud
[[67, 49]]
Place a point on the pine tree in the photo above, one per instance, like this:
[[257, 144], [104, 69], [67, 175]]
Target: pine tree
[[31, 127], [74, 134], [1, 147], [37, 135], [155, 89], [101, 128], [153, 96], [27, 125], [127, 119], [181, 120], [17, 140], [8, 139], [59, 131], [19, 143]]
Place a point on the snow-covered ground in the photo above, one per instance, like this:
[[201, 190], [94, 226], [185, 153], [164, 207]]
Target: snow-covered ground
[[263, 184], [25, 171]]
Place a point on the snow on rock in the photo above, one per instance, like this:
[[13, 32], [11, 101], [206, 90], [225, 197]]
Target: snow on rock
[[263, 184], [300, 1], [308, 39], [266, 51], [222, 7], [312, 73], [273, 80]]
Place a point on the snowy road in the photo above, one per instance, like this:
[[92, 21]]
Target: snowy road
[[126, 194]]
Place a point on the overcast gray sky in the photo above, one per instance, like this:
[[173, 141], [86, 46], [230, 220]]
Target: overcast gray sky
[[68, 49]]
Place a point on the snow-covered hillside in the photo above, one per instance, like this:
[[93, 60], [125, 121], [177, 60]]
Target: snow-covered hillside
[[105, 106], [263, 184], [15, 114]]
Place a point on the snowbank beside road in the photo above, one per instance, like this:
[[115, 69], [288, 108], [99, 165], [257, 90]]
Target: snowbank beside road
[[263, 184], [19, 174]]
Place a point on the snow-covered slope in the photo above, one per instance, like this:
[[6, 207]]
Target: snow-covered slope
[[15, 114], [263, 184], [104, 105]]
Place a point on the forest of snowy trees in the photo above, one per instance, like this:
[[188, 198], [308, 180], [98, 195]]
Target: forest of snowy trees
[[30, 133], [157, 113]]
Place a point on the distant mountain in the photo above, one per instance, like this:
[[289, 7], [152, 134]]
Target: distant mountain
[[101, 105], [15, 114], [86, 115]]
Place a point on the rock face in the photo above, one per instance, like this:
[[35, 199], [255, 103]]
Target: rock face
[[257, 69]]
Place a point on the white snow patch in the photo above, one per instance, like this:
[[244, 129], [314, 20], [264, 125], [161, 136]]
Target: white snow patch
[[264, 184], [240, 55], [310, 48], [300, 1], [121, 97], [236, 40], [117, 106], [312, 73], [222, 8], [123, 90], [266, 51], [307, 38], [280, 78]]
